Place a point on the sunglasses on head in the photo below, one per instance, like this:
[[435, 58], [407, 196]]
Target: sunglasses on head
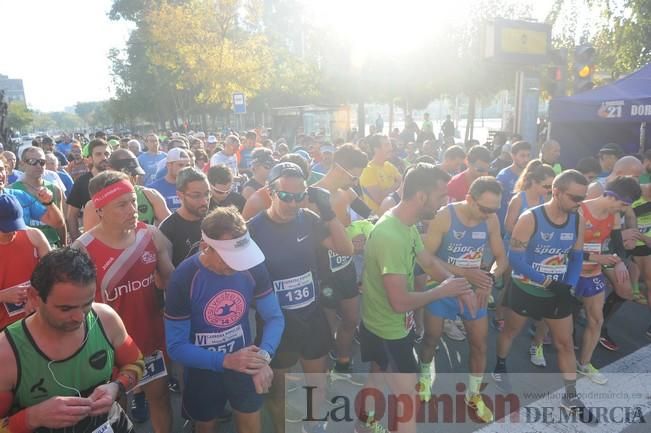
[[221, 191], [35, 161], [487, 210], [575, 198], [288, 197]]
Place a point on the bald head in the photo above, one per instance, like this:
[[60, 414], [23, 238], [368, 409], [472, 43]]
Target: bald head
[[628, 166]]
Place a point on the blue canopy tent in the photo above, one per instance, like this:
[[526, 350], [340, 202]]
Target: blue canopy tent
[[614, 113]]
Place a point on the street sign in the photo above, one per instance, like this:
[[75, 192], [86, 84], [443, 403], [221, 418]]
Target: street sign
[[239, 103]]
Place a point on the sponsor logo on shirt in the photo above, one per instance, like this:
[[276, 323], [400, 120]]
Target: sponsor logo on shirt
[[148, 258], [112, 294], [458, 235], [567, 236], [547, 236], [225, 309]]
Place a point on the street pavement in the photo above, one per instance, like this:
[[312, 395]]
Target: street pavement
[[627, 328]]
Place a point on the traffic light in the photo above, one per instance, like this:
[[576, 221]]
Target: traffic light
[[554, 79], [584, 60]]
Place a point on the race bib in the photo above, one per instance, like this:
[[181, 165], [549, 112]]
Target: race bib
[[15, 309], [338, 262], [228, 341], [104, 428], [592, 248], [154, 368], [295, 293], [467, 262]]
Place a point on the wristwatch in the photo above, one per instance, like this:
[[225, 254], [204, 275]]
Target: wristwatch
[[265, 355]]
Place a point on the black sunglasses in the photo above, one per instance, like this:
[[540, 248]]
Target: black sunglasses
[[34, 162], [575, 198], [487, 210], [288, 197]]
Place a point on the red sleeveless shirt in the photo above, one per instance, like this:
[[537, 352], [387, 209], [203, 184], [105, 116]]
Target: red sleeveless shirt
[[19, 258], [597, 231], [125, 281]]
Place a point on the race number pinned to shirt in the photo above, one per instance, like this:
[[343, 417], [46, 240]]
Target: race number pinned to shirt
[[295, 293], [154, 368], [228, 341], [338, 262], [16, 309], [104, 428]]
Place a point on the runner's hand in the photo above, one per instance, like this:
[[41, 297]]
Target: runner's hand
[[103, 397], [15, 295], [58, 412], [480, 279], [359, 242], [469, 301], [621, 273], [453, 287], [44, 195], [482, 297], [605, 259], [321, 198], [262, 380], [246, 360]]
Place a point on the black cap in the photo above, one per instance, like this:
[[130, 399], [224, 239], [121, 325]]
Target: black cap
[[262, 156], [285, 169], [127, 165], [611, 149]]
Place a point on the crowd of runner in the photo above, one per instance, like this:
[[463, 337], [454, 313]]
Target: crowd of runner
[[132, 264]]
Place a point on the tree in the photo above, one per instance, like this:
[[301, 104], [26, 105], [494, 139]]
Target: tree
[[19, 117]]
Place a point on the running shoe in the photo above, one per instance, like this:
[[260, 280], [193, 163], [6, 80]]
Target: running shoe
[[139, 408], [502, 381], [174, 385], [424, 386], [483, 413], [345, 373], [452, 331], [371, 426], [315, 427], [607, 342], [639, 297], [575, 406], [498, 324], [592, 373], [491, 303], [537, 356]]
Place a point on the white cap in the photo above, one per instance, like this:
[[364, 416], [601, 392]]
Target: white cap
[[239, 254], [177, 154], [212, 139]]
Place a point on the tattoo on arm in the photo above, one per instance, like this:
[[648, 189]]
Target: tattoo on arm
[[517, 243]]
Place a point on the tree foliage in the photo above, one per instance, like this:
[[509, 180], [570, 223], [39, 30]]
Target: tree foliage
[[19, 117]]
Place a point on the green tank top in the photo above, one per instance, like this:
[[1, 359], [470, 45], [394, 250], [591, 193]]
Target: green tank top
[[145, 209], [50, 232], [87, 368], [642, 210]]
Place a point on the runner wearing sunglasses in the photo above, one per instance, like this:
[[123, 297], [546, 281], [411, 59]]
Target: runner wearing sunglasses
[[338, 274], [33, 184], [459, 235], [546, 255], [532, 189], [602, 225], [289, 236]]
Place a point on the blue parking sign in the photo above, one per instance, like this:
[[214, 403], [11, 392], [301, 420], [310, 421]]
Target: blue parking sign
[[239, 103]]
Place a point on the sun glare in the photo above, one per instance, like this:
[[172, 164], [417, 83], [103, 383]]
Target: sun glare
[[387, 26]]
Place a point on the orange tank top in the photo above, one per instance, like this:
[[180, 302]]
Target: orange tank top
[[597, 232], [19, 258], [125, 281]]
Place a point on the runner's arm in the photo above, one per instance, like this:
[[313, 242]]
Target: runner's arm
[[403, 301], [522, 233], [128, 357], [497, 246], [38, 239], [512, 214], [72, 219], [181, 350], [432, 266], [164, 253], [158, 203], [575, 262], [274, 322], [338, 240]]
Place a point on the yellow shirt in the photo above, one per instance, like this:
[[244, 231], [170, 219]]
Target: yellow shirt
[[382, 176]]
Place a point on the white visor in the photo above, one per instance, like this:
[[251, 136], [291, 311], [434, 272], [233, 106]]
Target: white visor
[[240, 253]]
